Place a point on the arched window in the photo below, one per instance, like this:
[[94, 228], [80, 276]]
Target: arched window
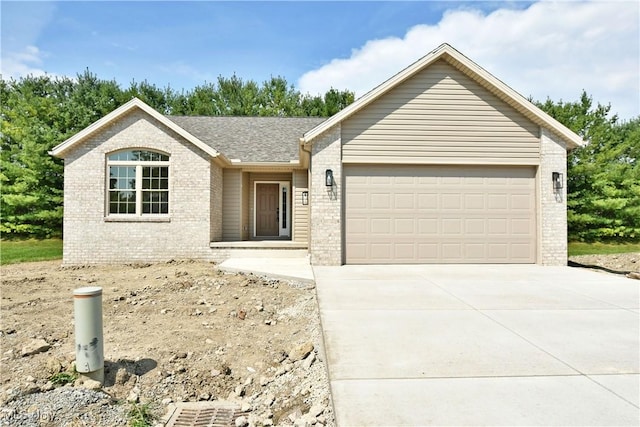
[[138, 183]]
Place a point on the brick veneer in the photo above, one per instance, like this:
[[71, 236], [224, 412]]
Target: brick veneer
[[553, 204], [194, 201], [326, 202]]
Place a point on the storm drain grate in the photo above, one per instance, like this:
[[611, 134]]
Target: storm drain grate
[[204, 414]]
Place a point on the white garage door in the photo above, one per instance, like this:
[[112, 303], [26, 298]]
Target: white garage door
[[434, 214]]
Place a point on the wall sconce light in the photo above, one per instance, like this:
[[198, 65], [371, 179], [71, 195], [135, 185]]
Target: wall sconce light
[[328, 178], [305, 198], [556, 177]]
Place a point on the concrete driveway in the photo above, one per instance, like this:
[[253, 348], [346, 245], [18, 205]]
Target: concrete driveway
[[480, 345]]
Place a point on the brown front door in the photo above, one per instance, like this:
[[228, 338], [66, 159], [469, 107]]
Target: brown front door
[[267, 210]]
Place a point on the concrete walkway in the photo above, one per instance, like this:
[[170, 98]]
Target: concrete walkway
[[294, 268], [480, 345]]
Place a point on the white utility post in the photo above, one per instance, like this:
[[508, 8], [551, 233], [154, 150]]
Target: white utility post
[[87, 304]]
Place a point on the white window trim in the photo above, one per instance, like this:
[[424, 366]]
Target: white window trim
[[138, 190], [283, 231]]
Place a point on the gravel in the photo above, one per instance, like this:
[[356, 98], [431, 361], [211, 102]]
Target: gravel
[[66, 406]]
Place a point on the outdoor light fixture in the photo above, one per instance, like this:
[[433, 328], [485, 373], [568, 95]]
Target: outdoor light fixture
[[328, 178], [305, 197], [556, 177]]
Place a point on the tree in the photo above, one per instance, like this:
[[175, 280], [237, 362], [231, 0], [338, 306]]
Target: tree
[[31, 197], [38, 113], [603, 182]]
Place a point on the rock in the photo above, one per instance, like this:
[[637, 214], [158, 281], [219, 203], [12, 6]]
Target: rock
[[53, 366], [134, 395], [242, 422], [316, 410], [246, 407], [264, 381], [122, 376], [166, 401], [268, 400], [309, 361], [182, 355], [48, 386], [32, 388], [90, 384], [300, 352], [634, 275], [239, 390], [34, 347]]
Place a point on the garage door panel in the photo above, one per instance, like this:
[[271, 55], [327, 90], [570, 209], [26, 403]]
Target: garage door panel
[[404, 201], [406, 214]]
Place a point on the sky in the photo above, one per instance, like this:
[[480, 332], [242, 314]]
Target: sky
[[549, 49]]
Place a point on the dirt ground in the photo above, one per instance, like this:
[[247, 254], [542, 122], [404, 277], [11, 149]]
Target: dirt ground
[[173, 332], [620, 263]]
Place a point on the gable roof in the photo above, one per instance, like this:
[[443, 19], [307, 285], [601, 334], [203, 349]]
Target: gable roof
[[63, 148], [469, 68], [250, 139]]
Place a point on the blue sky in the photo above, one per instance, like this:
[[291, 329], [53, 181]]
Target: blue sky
[[540, 49]]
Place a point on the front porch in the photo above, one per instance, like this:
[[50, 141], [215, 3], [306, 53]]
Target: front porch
[[258, 249], [275, 258]]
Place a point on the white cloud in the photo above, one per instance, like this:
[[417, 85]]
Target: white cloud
[[22, 63], [551, 49], [22, 26]]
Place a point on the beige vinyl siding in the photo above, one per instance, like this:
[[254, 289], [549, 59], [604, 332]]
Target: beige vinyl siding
[[256, 176], [440, 116], [300, 211], [232, 205], [245, 206]]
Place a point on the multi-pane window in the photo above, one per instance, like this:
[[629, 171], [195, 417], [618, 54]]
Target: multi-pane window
[[138, 183]]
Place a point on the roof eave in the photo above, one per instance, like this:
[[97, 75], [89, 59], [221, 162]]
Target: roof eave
[[458, 60], [62, 149], [291, 163]]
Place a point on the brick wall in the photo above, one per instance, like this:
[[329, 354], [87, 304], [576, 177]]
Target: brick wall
[[91, 238], [326, 203], [553, 204]]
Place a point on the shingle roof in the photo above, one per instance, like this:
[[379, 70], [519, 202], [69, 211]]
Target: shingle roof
[[250, 139]]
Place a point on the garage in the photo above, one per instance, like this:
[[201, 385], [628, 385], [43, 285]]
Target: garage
[[397, 214]]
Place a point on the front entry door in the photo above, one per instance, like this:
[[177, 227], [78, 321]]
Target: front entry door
[[267, 223]]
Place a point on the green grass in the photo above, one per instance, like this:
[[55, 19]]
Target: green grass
[[581, 248], [141, 415], [62, 378], [14, 251]]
